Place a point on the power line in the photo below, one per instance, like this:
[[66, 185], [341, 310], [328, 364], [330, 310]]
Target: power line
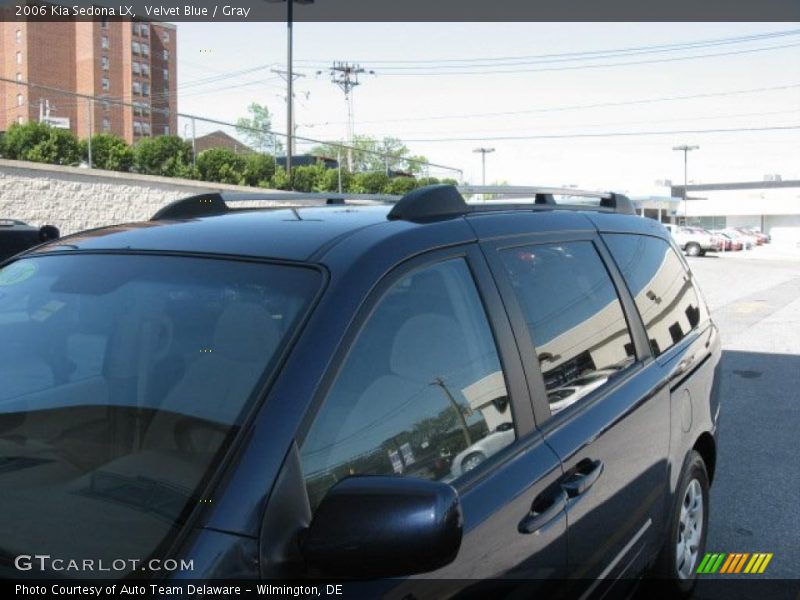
[[586, 106], [589, 53], [595, 66], [603, 134]]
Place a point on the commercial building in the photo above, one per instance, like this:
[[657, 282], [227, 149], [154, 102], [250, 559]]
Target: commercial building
[[772, 206], [113, 61]]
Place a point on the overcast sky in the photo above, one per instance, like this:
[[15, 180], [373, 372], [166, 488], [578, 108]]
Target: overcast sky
[[416, 96]]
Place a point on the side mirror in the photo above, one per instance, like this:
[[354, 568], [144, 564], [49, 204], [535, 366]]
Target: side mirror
[[374, 526]]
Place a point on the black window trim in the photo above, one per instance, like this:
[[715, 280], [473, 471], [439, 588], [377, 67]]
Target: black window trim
[[524, 423], [544, 418]]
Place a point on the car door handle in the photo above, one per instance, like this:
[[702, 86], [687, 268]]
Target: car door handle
[[685, 365], [541, 516], [583, 478]]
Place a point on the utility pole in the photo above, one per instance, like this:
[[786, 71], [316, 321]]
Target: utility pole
[[345, 75], [483, 152], [90, 106], [462, 421], [288, 75], [685, 149]]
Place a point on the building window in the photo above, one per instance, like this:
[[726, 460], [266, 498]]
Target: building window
[[137, 128], [19, 58], [165, 55], [19, 36], [105, 83], [145, 49], [19, 120], [144, 30], [145, 70], [166, 75], [104, 42], [166, 129], [136, 48], [146, 109], [19, 76], [145, 89], [20, 100], [104, 22], [165, 38], [146, 128], [136, 68], [137, 88], [104, 63], [106, 124]]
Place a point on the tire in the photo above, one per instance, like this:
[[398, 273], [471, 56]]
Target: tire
[[471, 461], [693, 249], [676, 569]]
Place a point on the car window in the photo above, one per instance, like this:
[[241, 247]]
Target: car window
[[660, 285], [422, 392], [574, 317], [121, 379]]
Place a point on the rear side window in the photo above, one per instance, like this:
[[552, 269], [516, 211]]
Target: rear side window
[[660, 285], [574, 316], [422, 392]]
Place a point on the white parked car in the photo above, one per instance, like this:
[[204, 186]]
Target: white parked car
[[473, 455], [693, 240]]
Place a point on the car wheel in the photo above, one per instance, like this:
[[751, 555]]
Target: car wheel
[[693, 249], [686, 540], [471, 461]]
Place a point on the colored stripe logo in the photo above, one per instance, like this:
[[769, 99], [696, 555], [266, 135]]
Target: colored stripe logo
[[736, 562]]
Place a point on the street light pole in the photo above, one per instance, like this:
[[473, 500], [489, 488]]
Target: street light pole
[[685, 149], [483, 151]]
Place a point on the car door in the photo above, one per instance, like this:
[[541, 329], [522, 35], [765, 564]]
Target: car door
[[598, 404], [430, 385]]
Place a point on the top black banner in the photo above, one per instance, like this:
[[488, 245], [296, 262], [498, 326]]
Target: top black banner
[[406, 10]]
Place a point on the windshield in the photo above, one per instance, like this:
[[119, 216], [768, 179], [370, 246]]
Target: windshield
[[121, 377]]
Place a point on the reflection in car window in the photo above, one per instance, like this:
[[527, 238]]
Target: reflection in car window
[[121, 378], [574, 317], [422, 392], [660, 285]]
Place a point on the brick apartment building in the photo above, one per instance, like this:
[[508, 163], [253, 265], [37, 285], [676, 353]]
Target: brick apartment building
[[133, 62]]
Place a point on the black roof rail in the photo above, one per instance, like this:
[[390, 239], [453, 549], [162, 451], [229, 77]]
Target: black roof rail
[[216, 203], [432, 201]]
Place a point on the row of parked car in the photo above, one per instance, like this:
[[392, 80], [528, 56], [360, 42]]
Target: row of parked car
[[696, 241]]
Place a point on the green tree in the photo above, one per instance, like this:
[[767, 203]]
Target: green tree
[[109, 152], [222, 165], [166, 155], [38, 142], [304, 178], [373, 182], [256, 128], [258, 168], [422, 181], [368, 154]]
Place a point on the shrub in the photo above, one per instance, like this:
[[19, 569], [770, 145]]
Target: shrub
[[38, 142], [108, 152], [221, 165], [259, 168], [422, 181], [166, 155], [279, 180], [329, 181], [371, 182], [401, 185]]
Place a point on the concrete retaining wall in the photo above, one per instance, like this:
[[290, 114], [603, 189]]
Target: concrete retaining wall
[[74, 199]]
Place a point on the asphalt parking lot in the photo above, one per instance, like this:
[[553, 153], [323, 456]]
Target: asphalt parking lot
[[755, 498]]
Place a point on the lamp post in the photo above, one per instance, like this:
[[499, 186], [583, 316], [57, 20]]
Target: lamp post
[[685, 149], [483, 153]]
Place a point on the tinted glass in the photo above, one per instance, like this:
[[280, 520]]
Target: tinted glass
[[660, 285], [120, 379], [574, 316], [422, 392]]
